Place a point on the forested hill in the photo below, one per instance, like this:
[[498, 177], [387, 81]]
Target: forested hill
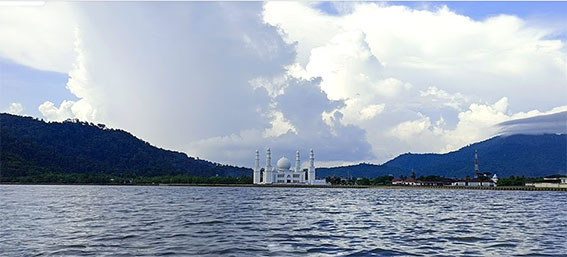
[[516, 155], [360, 170], [30, 146]]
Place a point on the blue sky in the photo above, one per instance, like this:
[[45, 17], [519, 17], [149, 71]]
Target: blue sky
[[229, 78], [481, 10], [31, 87], [547, 13]]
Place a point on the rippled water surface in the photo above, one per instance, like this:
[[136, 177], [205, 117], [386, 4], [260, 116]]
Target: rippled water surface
[[234, 221]]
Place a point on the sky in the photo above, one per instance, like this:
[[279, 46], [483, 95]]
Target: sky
[[355, 81]]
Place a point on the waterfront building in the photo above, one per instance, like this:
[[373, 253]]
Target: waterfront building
[[560, 182], [494, 179], [397, 181], [413, 182], [283, 174], [474, 183], [405, 182], [435, 182]]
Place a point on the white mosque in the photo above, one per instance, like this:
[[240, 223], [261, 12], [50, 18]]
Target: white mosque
[[283, 174]]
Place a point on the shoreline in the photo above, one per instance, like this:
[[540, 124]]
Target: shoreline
[[505, 188]]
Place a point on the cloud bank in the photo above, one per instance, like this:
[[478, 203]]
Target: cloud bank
[[219, 80], [551, 124], [435, 79]]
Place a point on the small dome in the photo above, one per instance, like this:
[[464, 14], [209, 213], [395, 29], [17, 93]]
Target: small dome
[[283, 164]]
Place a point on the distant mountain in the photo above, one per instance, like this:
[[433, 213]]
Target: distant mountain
[[515, 155], [30, 146], [360, 170]]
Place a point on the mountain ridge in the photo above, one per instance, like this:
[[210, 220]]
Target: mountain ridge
[[510, 155], [31, 146]]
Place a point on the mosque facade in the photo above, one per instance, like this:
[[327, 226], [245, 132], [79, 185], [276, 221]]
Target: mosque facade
[[283, 173]]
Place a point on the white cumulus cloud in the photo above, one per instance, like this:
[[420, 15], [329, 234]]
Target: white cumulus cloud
[[427, 74], [219, 80], [15, 108], [54, 113]]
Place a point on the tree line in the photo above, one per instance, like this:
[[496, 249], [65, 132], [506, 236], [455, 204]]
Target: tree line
[[105, 179]]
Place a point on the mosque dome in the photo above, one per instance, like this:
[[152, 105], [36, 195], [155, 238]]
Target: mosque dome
[[283, 164]]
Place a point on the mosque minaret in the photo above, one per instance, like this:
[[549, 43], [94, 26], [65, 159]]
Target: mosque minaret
[[311, 171], [297, 162], [257, 168], [268, 172], [283, 174]]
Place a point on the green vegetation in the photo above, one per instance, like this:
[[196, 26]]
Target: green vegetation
[[61, 178], [432, 178], [512, 181], [182, 179], [360, 170], [32, 149], [103, 179], [383, 180], [521, 180]]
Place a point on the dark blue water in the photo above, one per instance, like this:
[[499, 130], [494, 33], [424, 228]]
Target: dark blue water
[[212, 221]]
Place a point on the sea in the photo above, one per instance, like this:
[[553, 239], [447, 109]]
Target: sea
[[53, 220]]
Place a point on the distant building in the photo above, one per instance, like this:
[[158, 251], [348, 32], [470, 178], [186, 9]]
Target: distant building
[[406, 182], [283, 174], [560, 182], [474, 183], [494, 179], [435, 183]]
